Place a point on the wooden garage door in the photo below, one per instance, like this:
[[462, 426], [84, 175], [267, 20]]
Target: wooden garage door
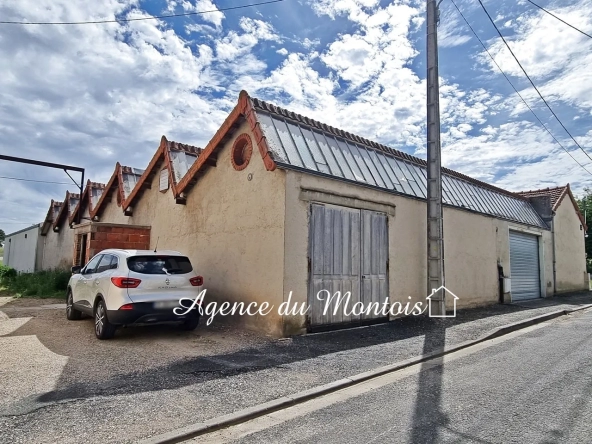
[[524, 266], [348, 253]]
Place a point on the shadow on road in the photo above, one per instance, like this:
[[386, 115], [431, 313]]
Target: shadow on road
[[278, 354]]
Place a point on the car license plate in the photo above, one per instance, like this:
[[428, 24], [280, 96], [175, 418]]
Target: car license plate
[[166, 304]]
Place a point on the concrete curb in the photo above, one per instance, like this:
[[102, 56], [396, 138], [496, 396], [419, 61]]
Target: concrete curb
[[244, 415]]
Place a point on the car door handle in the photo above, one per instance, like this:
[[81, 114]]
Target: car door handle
[[96, 282]]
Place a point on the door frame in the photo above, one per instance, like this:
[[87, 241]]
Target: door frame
[[540, 245], [352, 324]]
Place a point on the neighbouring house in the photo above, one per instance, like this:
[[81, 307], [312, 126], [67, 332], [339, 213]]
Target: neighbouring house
[[280, 206], [58, 238], [561, 212], [23, 249]]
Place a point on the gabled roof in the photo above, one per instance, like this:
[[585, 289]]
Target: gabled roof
[[52, 214], [90, 198], [244, 110], [67, 208], [290, 141], [557, 194], [122, 181], [178, 158]]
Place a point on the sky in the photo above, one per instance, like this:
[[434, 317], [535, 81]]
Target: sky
[[93, 95]]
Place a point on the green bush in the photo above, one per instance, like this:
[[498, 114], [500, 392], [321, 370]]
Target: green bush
[[43, 284], [6, 272]]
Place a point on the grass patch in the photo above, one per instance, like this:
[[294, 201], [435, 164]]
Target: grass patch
[[42, 284]]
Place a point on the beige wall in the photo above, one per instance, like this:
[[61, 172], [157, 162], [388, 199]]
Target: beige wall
[[570, 249], [113, 213], [474, 244], [58, 248], [231, 228]]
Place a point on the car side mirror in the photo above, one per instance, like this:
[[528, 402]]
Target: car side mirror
[[76, 269]]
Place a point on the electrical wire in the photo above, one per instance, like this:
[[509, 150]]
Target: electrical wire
[[560, 19], [531, 82], [515, 89], [32, 180], [185, 14]]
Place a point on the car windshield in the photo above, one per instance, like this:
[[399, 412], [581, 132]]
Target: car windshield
[[159, 264]]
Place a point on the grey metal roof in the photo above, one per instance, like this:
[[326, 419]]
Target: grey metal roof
[[130, 177], [300, 143], [181, 161]]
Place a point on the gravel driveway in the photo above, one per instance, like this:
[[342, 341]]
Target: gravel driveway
[[66, 386]]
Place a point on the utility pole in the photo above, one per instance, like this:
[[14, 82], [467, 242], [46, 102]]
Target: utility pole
[[434, 167]]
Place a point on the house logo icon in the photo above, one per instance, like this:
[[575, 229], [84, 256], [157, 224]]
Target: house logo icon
[[445, 315]]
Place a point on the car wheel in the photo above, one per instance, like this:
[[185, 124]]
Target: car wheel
[[71, 313], [190, 323], [103, 328]]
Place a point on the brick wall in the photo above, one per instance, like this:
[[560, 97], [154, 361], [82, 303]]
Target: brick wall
[[100, 237], [126, 238]]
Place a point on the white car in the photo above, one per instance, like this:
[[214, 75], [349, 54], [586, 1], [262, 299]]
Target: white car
[[123, 287]]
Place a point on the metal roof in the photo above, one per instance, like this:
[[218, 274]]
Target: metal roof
[[300, 143], [181, 161], [129, 177]]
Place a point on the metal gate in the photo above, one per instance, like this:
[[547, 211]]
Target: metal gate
[[348, 253], [524, 266]]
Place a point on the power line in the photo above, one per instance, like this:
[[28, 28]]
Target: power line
[[531, 82], [560, 19], [515, 89], [32, 180], [156, 17]]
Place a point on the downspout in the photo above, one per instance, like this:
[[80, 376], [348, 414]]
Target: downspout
[[554, 258]]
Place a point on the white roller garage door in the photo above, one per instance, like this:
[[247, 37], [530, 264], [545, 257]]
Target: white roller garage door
[[524, 266]]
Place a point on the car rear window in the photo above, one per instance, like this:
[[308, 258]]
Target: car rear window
[[159, 264]]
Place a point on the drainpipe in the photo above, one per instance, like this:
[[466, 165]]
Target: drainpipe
[[554, 258]]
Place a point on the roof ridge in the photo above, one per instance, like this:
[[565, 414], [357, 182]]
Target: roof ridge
[[269, 107], [540, 190], [178, 146]]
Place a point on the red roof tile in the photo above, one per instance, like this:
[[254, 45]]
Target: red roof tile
[[166, 153], [557, 194]]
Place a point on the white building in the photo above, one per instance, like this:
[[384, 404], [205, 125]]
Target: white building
[[23, 250]]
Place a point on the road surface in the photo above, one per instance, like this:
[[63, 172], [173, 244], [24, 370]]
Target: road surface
[[534, 386]]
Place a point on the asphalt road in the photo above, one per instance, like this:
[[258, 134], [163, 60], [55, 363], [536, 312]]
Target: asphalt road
[[535, 387]]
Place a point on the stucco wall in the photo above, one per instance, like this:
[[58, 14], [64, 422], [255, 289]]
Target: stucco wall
[[22, 250], [570, 249], [231, 228], [474, 244], [113, 213], [58, 248]]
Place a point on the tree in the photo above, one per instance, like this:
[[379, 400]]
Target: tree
[[2, 235], [585, 204]]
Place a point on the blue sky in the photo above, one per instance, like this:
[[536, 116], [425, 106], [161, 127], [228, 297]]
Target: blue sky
[[93, 95]]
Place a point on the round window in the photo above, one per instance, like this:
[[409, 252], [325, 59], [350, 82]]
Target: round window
[[241, 152]]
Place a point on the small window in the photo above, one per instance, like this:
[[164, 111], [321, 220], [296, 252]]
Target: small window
[[25, 236], [92, 265], [241, 152], [164, 180], [105, 264], [114, 263], [159, 264]]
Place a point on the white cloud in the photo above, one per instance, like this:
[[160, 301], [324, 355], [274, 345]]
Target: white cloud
[[215, 17], [94, 95]]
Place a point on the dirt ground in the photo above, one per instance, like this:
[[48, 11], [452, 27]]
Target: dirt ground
[[134, 349]]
